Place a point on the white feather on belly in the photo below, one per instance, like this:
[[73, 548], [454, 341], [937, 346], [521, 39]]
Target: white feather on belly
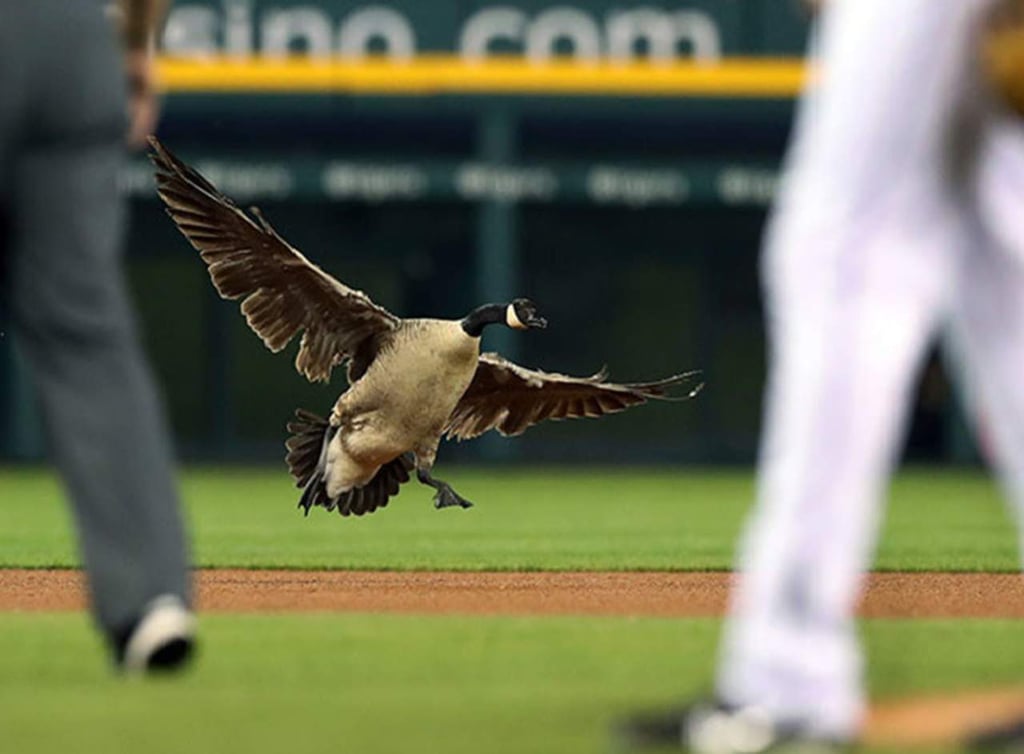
[[342, 472]]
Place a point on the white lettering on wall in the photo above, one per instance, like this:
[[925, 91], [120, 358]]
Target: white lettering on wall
[[380, 23], [283, 29], [663, 34], [740, 185], [348, 180], [563, 23], [230, 28], [247, 180], [239, 31], [191, 31], [636, 187], [485, 27], [504, 183]]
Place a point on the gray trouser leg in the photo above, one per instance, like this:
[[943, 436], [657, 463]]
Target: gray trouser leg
[[61, 134], [99, 405]]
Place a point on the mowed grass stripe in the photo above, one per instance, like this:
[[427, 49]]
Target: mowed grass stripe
[[525, 519], [365, 683]]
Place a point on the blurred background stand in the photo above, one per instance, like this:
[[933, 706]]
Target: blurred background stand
[[613, 161]]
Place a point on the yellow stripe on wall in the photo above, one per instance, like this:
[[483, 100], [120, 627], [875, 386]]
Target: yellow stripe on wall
[[445, 74]]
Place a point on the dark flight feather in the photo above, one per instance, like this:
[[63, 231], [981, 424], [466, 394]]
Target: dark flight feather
[[283, 293]]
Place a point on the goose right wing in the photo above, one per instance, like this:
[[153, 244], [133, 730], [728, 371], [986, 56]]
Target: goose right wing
[[511, 398], [282, 292]]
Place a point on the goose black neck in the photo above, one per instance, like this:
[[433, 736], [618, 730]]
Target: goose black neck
[[479, 318]]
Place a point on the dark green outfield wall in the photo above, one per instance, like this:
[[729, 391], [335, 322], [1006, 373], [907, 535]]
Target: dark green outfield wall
[[634, 227], [634, 223]]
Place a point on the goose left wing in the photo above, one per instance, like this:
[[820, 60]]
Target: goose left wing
[[511, 398], [282, 292]]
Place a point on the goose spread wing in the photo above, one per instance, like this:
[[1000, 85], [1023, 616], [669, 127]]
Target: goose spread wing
[[511, 398], [282, 292]]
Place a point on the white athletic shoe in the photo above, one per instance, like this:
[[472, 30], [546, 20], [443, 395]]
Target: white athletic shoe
[[161, 640], [711, 727]]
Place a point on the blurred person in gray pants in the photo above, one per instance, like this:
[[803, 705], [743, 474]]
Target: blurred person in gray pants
[[66, 83]]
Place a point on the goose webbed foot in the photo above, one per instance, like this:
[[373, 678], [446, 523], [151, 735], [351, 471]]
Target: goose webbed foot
[[446, 497]]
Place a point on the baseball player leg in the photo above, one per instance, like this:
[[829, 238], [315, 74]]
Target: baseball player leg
[[988, 314], [857, 267], [100, 408]]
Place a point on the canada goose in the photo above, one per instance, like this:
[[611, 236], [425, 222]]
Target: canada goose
[[411, 381]]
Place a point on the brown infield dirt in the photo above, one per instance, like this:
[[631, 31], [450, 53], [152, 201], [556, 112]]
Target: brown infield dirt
[[909, 723], [887, 595]]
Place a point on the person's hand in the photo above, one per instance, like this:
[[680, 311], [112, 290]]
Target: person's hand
[[143, 96]]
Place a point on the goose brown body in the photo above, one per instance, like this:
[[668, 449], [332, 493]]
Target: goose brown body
[[412, 381], [402, 402]]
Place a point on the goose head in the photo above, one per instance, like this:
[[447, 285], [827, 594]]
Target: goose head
[[519, 314]]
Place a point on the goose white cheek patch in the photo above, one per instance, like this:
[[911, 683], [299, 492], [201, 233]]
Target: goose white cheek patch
[[512, 319]]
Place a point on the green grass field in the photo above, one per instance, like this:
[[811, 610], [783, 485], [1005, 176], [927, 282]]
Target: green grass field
[[375, 683], [524, 520], [361, 683]]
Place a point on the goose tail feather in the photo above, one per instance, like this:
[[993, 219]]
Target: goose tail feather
[[307, 451], [378, 491]]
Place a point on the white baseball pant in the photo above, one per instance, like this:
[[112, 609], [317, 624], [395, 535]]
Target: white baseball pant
[[900, 212]]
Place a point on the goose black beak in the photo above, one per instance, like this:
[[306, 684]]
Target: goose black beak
[[538, 322]]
